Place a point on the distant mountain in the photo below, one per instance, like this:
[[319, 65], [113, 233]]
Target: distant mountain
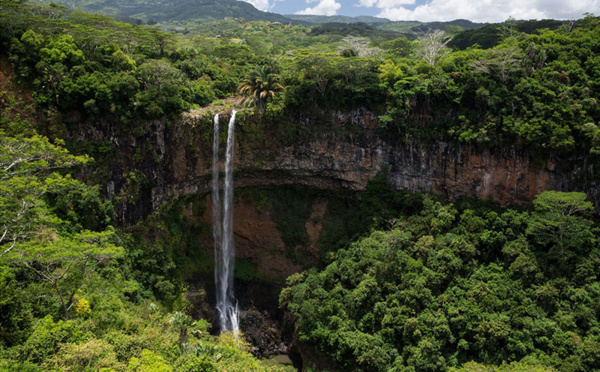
[[173, 10], [465, 24], [491, 34], [317, 19], [203, 11], [420, 27]]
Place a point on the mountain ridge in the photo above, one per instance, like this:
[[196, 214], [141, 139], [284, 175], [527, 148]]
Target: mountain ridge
[[319, 19], [173, 10], [204, 11]]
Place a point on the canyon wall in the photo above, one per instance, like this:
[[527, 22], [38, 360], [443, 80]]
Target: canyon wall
[[175, 160], [507, 175]]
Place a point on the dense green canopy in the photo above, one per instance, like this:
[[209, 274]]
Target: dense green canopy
[[446, 287]]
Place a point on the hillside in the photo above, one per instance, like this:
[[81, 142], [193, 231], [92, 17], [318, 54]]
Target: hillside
[[490, 35], [318, 19], [420, 27], [173, 10]]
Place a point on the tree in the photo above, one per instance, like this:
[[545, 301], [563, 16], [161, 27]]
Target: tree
[[359, 46], [67, 264], [319, 68], [500, 63], [30, 233], [163, 89], [433, 46], [560, 222], [149, 362], [260, 84], [28, 170], [183, 322], [509, 28]]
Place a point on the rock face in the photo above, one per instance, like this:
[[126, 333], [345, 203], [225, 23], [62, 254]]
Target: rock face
[[258, 241], [507, 176], [267, 335], [176, 162]]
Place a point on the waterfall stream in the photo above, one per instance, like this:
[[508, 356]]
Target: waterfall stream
[[223, 232]]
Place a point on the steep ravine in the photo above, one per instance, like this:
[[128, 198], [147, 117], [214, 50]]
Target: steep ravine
[[157, 163], [160, 163]]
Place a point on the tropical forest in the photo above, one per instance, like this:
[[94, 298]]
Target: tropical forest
[[196, 186]]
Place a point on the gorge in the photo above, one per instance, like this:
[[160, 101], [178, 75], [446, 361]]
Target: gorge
[[329, 165], [393, 212], [179, 165]]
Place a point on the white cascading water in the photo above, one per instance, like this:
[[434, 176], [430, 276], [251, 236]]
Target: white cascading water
[[223, 232]]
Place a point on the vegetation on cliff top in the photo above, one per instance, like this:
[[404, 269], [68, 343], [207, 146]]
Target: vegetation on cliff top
[[537, 88]]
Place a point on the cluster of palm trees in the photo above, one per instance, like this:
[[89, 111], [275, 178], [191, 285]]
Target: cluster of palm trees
[[259, 85]]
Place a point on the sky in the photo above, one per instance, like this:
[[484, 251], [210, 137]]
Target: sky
[[436, 10]]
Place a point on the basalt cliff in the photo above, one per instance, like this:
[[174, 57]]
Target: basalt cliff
[[174, 161]]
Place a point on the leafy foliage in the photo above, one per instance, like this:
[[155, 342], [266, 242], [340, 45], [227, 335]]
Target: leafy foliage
[[260, 84], [57, 269], [521, 91], [533, 85], [28, 171], [446, 287]]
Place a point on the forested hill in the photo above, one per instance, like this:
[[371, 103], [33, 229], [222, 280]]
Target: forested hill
[[318, 19], [173, 10]]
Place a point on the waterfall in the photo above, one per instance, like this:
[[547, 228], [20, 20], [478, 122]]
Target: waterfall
[[217, 221], [223, 232]]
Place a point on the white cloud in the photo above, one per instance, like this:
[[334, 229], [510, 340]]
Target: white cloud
[[483, 10], [394, 3], [367, 3], [385, 4], [263, 5], [324, 7]]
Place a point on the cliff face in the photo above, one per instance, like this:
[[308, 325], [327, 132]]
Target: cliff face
[[508, 176], [176, 162]]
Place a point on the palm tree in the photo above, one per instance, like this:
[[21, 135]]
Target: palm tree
[[260, 84], [183, 322]]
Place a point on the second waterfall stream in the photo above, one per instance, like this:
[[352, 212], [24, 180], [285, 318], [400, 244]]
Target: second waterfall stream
[[222, 210]]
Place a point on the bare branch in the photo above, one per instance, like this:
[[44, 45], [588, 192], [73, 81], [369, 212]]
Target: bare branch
[[434, 46], [9, 248]]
